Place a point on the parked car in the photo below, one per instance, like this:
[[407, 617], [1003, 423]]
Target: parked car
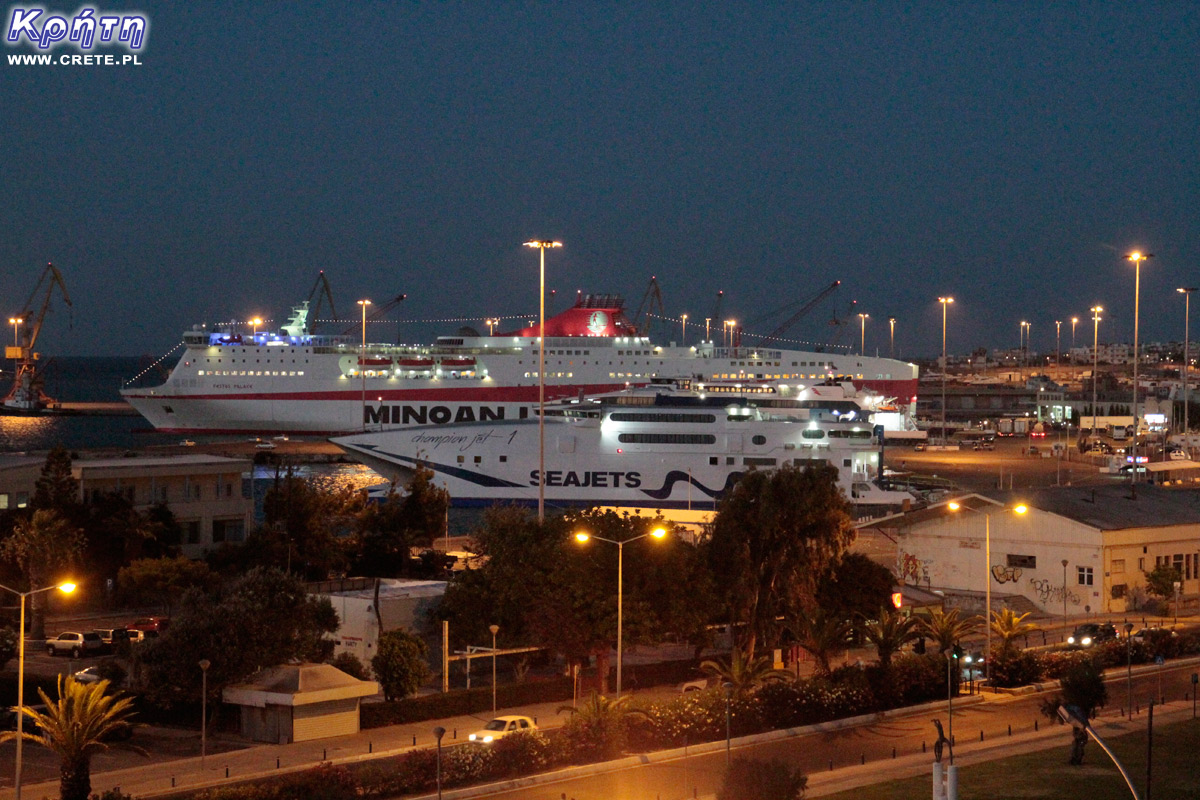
[[75, 644], [89, 675], [8, 719], [696, 685], [1090, 633], [113, 637], [501, 727], [150, 624], [984, 446]]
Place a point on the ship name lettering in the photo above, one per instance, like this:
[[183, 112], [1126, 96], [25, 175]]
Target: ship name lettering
[[591, 479], [426, 415]]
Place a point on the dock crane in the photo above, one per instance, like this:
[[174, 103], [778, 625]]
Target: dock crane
[[714, 316], [800, 313], [379, 313], [651, 300], [320, 289], [27, 395]]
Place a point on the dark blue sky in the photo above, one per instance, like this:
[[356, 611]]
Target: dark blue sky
[[1006, 154]]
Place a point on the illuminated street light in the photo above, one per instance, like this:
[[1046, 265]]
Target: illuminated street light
[[584, 536], [945, 301], [1058, 346], [862, 347], [1019, 509], [491, 323], [729, 323], [1074, 320], [541, 245], [1095, 359], [1137, 258], [683, 325], [15, 321], [892, 337], [65, 588], [1026, 331], [1186, 291], [362, 358], [255, 322]]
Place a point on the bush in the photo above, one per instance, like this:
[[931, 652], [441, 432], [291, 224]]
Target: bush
[[400, 664], [110, 670], [523, 753], [762, 780], [415, 771], [911, 679], [8, 645], [1055, 664], [350, 664], [1018, 668]]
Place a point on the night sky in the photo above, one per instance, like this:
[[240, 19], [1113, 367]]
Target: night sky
[[1006, 154]]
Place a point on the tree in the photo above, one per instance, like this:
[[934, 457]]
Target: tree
[[387, 530], [56, 488], [43, 546], [598, 730], [821, 634], [743, 672], [400, 664], [83, 721], [261, 619], [1161, 581], [855, 586], [306, 525], [748, 779], [1009, 626], [8, 645], [1083, 691], [161, 581], [945, 628], [775, 533], [889, 633]]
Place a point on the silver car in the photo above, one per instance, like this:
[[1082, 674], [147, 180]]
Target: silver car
[[75, 644]]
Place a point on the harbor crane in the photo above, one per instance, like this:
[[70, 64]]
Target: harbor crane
[[27, 395], [800, 313], [320, 289], [651, 300]]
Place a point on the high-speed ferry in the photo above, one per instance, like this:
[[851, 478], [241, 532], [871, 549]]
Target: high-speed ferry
[[672, 444], [233, 380]]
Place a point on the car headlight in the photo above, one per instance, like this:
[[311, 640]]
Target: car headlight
[[1086, 641], [488, 739], [471, 737], [1070, 640]]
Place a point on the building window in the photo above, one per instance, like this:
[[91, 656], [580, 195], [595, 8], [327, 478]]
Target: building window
[[1141, 565], [1085, 576], [1022, 562], [191, 531], [3, 500], [1118, 591]]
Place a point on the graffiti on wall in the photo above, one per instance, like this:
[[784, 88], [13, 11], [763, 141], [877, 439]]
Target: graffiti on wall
[[1005, 574], [1047, 592], [913, 569]]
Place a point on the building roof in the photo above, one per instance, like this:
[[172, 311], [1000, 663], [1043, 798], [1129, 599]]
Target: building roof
[[389, 588], [298, 685], [1107, 507], [141, 462]]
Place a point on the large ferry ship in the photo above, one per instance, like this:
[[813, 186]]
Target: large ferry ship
[[233, 380], [673, 444]]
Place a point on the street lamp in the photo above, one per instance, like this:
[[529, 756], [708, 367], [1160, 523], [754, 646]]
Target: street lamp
[[862, 347], [204, 665], [541, 245], [1058, 345], [1026, 332], [728, 687], [1064, 563], [1095, 360], [1074, 321], [1129, 665], [730, 323], [362, 358], [439, 732], [892, 337], [15, 321], [255, 322], [1137, 258], [491, 323], [945, 301], [1019, 509], [683, 325], [583, 536], [1186, 291], [494, 629], [65, 588]]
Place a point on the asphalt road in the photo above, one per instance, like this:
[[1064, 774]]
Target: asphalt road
[[874, 743], [1008, 464]]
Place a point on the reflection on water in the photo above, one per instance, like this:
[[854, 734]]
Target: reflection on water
[[26, 434]]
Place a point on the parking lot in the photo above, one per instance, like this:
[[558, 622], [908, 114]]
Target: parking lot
[[1010, 465]]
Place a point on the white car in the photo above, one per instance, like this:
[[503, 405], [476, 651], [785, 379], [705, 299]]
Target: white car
[[89, 675], [501, 727]]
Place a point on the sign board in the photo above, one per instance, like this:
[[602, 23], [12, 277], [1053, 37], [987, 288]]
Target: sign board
[[1158, 660]]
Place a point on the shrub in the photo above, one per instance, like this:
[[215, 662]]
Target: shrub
[[415, 771], [523, 753], [805, 702], [912, 679], [1018, 668], [1055, 664], [758, 780], [400, 664], [111, 671], [351, 665]]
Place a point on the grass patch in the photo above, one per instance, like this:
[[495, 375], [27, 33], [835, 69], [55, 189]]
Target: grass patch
[[1046, 773]]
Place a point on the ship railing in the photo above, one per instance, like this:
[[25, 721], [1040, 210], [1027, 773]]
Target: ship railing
[[748, 353]]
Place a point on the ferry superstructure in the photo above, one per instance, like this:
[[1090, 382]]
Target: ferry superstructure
[[229, 380], [669, 445]]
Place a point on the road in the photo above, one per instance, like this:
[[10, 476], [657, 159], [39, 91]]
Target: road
[[815, 753]]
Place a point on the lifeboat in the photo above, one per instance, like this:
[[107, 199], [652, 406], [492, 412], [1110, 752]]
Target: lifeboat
[[374, 362], [416, 363], [457, 363]]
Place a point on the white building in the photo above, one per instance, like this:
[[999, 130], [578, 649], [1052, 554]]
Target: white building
[[1085, 547], [402, 604]]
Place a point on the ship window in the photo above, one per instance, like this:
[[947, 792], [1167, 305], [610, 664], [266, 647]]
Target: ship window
[[738, 417], [846, 462], [503, 459], [667, 438], [478, 460], [813, 433], [712, 460], [461, 459], [759, 439], [758, 462], [729, 461], [634, 416]]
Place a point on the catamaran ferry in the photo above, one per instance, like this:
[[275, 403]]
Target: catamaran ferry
[[231, 380], [669, 445]]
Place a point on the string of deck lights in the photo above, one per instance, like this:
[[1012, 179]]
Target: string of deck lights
[[161, 358], [684, 321]]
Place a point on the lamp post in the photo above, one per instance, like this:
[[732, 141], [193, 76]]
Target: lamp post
[[862, 347], [728, 687], [541, 245], [362, 357], [1074, 321], [15, 321], [945, 301], [494, 629], [1095, 360], [1058, 345], [65, 588], [1019, 509], [707, 331], [731, 323], [204, 665], [438, 733], [491, 323], [583, 536], [255, 323], [891, 337], [1186, 291], [683, 330], [1064, 563], [1129, 665], [1137, 258], [1026, 330]]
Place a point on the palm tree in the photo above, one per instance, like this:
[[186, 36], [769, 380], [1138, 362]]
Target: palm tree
[[599, 725], [889, 633], [1008, 626], [822, 635], [82, 722], [945, 628], [744, 674]]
